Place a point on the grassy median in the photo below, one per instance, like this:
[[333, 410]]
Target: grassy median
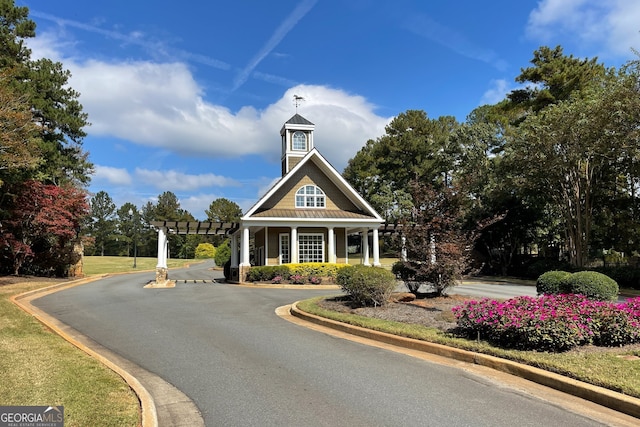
[[39, 368], [617, 369]]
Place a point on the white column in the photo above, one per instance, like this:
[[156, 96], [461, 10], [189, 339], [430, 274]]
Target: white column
[[244, 244], [376, 248], [331, 246], [162, 248], [234, 250], [294, 245], [365, 246], [266, 246]]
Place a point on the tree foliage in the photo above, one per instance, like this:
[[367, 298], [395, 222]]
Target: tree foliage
[[42, 224], [103, 224], [223, 210], [436, 247]]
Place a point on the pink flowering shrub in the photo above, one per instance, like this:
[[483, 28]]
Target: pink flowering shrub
[[550, 322], [297, 279]]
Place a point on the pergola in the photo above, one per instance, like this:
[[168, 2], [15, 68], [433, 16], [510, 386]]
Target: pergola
[[185, 227]]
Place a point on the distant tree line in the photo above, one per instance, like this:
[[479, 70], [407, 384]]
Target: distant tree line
[[553, 170], [126, 230]]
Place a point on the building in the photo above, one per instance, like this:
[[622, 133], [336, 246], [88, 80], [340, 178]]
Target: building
[[307, 215]]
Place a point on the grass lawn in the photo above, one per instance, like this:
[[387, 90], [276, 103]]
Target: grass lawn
[[603, 367], [113, 264], [40, 368]]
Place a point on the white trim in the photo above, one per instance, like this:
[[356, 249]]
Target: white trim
[[331, 173]]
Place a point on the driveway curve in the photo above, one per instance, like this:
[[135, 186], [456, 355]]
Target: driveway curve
[[225, 348]]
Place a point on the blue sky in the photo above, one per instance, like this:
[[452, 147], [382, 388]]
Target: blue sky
[[190, 97]]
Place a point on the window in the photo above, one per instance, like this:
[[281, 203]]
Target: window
[[310, 196], [311, 248], [285, 257], [299, 141]]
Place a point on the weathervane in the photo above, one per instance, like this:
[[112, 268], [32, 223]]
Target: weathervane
[[297, 100]]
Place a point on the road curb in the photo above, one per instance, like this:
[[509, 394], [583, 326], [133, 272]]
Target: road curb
[[600, 395], [176, 408]]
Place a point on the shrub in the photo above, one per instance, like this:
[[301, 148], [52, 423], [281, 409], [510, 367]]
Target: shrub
[[366, 285], [266, 273], [297, 279], [223, 253], [551, 282], [318, 269], [205, 251], [593, 285], [550, 322]]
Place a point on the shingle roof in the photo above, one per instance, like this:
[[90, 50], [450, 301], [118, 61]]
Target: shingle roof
[[299, 120]]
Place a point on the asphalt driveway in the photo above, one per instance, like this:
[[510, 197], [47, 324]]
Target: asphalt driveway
[[242, 365]]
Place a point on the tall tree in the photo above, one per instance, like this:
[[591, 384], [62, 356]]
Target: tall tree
[[553, 77], [414, 147], [223, 210], [572, 150], [53, 104], [103, 224]]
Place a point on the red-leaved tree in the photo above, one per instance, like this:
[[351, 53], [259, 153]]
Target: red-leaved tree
[[42, 222]]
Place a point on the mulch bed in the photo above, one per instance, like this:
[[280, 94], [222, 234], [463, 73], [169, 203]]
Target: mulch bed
[[432, 312]]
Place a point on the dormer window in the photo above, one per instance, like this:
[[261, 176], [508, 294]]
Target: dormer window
[[310, 196], [299, 141]]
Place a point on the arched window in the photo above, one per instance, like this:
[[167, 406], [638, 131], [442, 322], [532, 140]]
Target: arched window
[[310, 196], [299, 141]]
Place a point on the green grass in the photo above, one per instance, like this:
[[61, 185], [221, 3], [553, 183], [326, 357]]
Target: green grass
[[603, 368], [114, 264], [40, 368]]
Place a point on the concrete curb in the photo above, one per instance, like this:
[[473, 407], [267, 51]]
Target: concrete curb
[[599, 395], [170, 407]]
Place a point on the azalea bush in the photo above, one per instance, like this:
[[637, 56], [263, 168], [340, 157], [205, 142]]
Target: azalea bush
[[550, 322]]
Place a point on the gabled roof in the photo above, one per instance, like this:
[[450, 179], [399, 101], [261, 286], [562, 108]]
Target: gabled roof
[[331, 173]]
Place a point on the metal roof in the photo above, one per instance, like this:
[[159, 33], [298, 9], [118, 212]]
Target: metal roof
[[298, 120]]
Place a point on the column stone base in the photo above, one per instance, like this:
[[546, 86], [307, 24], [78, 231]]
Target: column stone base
[[162, 275]]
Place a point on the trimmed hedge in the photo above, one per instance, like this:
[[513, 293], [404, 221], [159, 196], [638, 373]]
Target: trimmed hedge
[[296, 273], [367, 285], [551, 282], [593, 285]]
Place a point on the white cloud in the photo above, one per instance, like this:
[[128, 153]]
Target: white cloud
[[497, 92], [608, 26], [115, 176], [161, 105], [171, 180]]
